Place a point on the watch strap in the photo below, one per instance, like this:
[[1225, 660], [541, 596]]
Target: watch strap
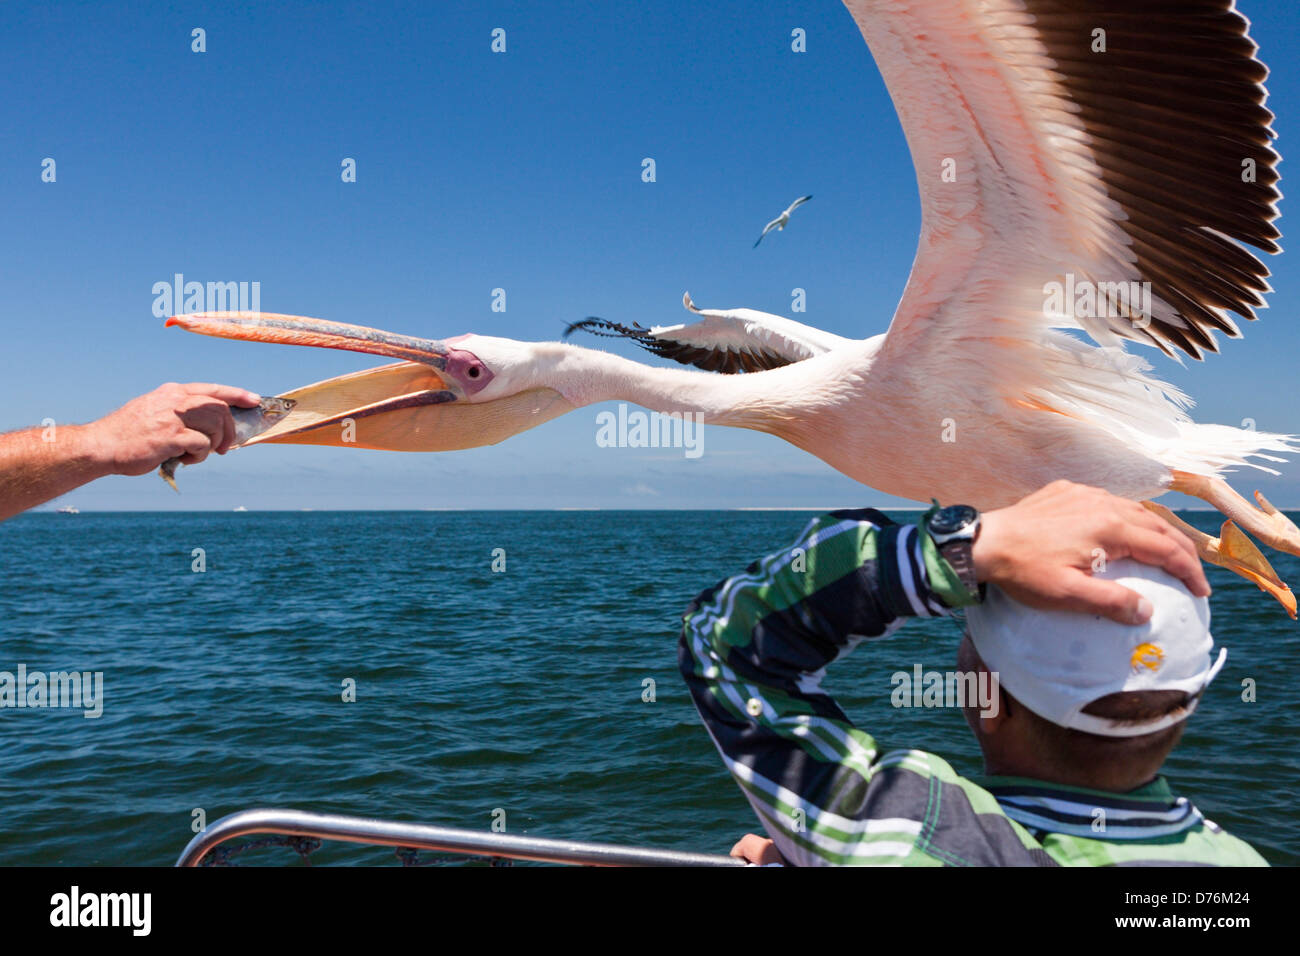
[[958, 554], [951, 567], [943, 577]]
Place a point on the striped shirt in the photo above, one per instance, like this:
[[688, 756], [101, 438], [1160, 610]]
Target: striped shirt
[[753, 651]]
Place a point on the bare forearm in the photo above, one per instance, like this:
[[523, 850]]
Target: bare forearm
[[184, 422], [38, 464]]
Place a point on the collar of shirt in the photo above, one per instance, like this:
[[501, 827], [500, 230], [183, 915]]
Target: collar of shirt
[[1147, 813]]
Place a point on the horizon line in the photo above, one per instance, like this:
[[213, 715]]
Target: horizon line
[[918, 507]]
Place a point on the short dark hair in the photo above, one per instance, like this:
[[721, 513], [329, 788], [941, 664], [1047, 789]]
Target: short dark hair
[[1128, 707], [1066, 749]]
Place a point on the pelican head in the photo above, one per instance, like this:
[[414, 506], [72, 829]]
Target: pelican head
[[443, 395]]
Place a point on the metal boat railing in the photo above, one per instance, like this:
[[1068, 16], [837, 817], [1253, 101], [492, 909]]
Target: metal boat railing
[[330, 826]]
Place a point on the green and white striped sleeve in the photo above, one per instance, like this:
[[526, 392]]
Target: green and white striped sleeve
[[753, 651]]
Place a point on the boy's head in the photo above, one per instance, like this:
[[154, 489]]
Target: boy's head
[[1087, 701]]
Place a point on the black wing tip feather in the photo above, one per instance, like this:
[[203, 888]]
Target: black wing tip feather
[[722, 360], [595, 325], [1172, 153], [636, 332]]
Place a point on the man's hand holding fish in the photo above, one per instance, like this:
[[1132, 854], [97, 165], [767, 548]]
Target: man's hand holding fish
[[186, 422]]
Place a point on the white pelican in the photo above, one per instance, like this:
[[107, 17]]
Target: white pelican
[[1046, 168], [783, 220]]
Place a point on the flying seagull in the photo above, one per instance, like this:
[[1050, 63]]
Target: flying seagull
[[1113, 179], [781, 221]]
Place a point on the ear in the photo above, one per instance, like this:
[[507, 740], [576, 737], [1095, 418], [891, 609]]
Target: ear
[[995, 717], [993, 709]]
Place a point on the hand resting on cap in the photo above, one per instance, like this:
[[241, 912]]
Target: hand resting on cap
[[1041, 551]]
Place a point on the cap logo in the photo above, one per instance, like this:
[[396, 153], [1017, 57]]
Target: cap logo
[[1147, 655]]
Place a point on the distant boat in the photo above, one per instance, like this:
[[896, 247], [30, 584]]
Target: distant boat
[[241, 508], [69, 510]]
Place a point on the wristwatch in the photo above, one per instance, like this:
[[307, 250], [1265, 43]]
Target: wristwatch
[[953, 530]]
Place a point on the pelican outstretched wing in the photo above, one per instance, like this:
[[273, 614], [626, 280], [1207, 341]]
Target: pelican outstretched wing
[[1081, 163], [735, 340]]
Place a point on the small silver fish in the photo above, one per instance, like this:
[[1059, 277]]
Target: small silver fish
[[248, 422]]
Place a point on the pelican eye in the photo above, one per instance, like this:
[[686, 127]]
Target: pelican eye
[[472, 371]]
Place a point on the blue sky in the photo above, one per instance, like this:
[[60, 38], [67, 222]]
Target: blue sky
[[476, 171]]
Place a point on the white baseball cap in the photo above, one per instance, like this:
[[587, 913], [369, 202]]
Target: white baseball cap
[[1058, 662]]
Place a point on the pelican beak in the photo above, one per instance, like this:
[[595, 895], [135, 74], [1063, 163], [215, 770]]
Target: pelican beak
[[300, 330], [424, 403]]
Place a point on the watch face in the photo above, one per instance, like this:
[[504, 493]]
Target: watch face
[[952, 519]]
